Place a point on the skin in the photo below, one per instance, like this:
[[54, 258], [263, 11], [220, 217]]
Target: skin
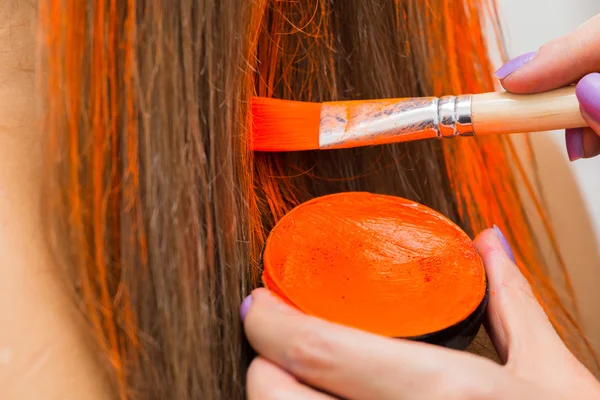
[[45, 350], [562, 62]]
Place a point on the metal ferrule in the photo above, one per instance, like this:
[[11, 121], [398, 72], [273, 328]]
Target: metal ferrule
[[365, 123]]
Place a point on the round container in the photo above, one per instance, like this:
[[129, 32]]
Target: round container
[[379, 263]]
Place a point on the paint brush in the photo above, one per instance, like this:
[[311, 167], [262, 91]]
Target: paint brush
[[284, 125]]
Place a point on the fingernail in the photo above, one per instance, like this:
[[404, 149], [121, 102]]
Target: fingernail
[[588, 94], [245, 307], [574, 142], [504, 243], [514, 64]]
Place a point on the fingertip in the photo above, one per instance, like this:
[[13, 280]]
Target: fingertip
[[584, 142], [504, 242], [250, 309], [513, 65], [482, 241], [522, 74], [263, 305], [261, 293], [588, 94], [590, 143], [574, 143], [245, 307], [496, 254], [489, 241]]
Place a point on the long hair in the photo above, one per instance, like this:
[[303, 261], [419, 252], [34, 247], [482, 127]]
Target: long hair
[[159, 211]]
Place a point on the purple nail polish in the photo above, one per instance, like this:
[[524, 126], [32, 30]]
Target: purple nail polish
[[574, 141], [588, 94], [245, 307], [504, 243], [514, 64]]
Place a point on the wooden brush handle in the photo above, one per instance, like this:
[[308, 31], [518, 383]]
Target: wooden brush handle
[[494, 113]]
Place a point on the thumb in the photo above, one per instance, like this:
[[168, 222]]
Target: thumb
[[518, 326], [561, 62]]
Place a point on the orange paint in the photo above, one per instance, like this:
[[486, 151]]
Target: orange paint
[[283, 125], [378, 263]]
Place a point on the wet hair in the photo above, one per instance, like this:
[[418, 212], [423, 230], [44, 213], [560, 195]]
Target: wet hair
[[158, 210]]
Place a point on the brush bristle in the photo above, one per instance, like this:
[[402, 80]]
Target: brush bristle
[[284, 125]]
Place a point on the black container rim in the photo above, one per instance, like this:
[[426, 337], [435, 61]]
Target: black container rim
[[466, 329]]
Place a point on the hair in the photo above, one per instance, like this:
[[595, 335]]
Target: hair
[[159, 211]]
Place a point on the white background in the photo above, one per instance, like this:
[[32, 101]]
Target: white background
[[529, 24], [572, 190]]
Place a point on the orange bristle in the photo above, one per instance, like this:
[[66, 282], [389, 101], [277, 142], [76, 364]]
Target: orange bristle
[[284, 125]]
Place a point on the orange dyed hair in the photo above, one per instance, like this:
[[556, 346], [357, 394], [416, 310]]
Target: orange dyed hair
[[160, 212]]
